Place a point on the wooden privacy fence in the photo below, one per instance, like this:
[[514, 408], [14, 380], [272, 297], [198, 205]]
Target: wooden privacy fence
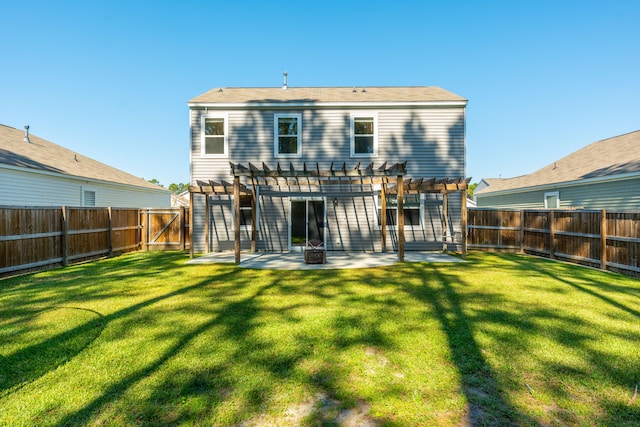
[[37, 237], [606, 240]]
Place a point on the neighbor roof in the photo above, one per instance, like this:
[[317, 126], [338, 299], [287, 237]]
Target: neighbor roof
[[609, 157], [319, 95], [43, 155]]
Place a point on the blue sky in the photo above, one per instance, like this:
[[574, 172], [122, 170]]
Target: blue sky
[[111, 79]]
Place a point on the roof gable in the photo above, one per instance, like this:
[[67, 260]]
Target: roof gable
[[42, 155], [607, 158]]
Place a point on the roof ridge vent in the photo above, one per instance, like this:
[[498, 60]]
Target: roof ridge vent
[[284, 84], [26, 134]]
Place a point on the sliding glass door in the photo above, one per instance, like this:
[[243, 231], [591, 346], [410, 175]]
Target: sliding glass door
[[307, 222]]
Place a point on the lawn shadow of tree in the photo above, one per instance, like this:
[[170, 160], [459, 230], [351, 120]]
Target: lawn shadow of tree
[[24, 366], [487, 404]]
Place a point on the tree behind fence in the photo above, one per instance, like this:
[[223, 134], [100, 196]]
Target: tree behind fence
[[606, 240], [33, 238]]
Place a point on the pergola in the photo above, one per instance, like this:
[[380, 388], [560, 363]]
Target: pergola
[[390, 178]]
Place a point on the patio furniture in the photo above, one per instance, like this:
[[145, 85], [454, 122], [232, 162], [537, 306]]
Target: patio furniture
[[315, 252]]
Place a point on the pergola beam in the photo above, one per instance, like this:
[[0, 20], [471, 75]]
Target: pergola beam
[[240, 170]]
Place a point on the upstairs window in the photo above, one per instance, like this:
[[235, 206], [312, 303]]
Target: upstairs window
[[364, 135], [287, 132], [214, 136]]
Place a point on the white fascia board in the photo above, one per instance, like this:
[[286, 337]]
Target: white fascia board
[[82, 178], [554, 185], [285, 104]]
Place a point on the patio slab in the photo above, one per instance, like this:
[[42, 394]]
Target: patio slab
[[335, 259]]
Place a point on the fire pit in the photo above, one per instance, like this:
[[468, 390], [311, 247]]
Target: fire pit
[[315, 252]]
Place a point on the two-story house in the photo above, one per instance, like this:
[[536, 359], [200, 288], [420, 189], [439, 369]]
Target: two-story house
[[327, 164]]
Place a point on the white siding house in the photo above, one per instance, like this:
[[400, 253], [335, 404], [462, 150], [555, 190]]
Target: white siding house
[[37, 172]]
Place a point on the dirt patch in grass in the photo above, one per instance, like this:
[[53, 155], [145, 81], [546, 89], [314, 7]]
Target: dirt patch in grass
[[320, 408]]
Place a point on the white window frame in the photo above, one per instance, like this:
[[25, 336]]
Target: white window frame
[[549, 194], [377, 226], [84, 188], [276, 152], [203, 119], [352, 133]]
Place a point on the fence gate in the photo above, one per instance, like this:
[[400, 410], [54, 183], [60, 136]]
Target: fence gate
[[163, 228]]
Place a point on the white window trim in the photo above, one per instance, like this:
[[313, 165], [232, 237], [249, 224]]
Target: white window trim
[[276, 154], [223, 116], [352, 136], [84, 188], [394, 227], [548, 194]]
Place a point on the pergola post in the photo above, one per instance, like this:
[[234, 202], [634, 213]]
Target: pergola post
[[236, 217], [445, 218], [254, 205], [383, 214], [191, 208], [400, 196], [463, 199], [207, 221]]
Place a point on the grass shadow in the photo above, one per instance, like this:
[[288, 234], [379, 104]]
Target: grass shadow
[[487, 405], [24, 366]]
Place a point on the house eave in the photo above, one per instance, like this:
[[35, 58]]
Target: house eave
[[311, 104], [555, 185]]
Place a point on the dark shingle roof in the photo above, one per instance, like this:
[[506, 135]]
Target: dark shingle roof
[[609, 157], [44, 155]]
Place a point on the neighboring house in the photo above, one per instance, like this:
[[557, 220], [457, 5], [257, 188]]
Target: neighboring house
[[602, 175], [180, 200], [37, 172], [313, 162]]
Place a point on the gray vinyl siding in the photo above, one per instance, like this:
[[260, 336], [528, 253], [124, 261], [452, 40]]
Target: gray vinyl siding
[[431, 140], [25, 188], [521, 200], [610, 195]]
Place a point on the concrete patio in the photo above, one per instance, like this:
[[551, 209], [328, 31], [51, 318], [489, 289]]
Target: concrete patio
[[335, 259]]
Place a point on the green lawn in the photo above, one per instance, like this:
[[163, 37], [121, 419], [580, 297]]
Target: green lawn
[[144, 339]]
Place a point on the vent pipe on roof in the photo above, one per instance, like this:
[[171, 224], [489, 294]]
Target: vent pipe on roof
[[284, 85], [26, 134]]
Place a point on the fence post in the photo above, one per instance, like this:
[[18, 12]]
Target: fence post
[[603, 239], [183, 236], [144, 226], [64, 241], [552, 235], [521, 232], [110, 228]]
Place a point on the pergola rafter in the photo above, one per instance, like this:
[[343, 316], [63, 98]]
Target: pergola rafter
[[314, 176]]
